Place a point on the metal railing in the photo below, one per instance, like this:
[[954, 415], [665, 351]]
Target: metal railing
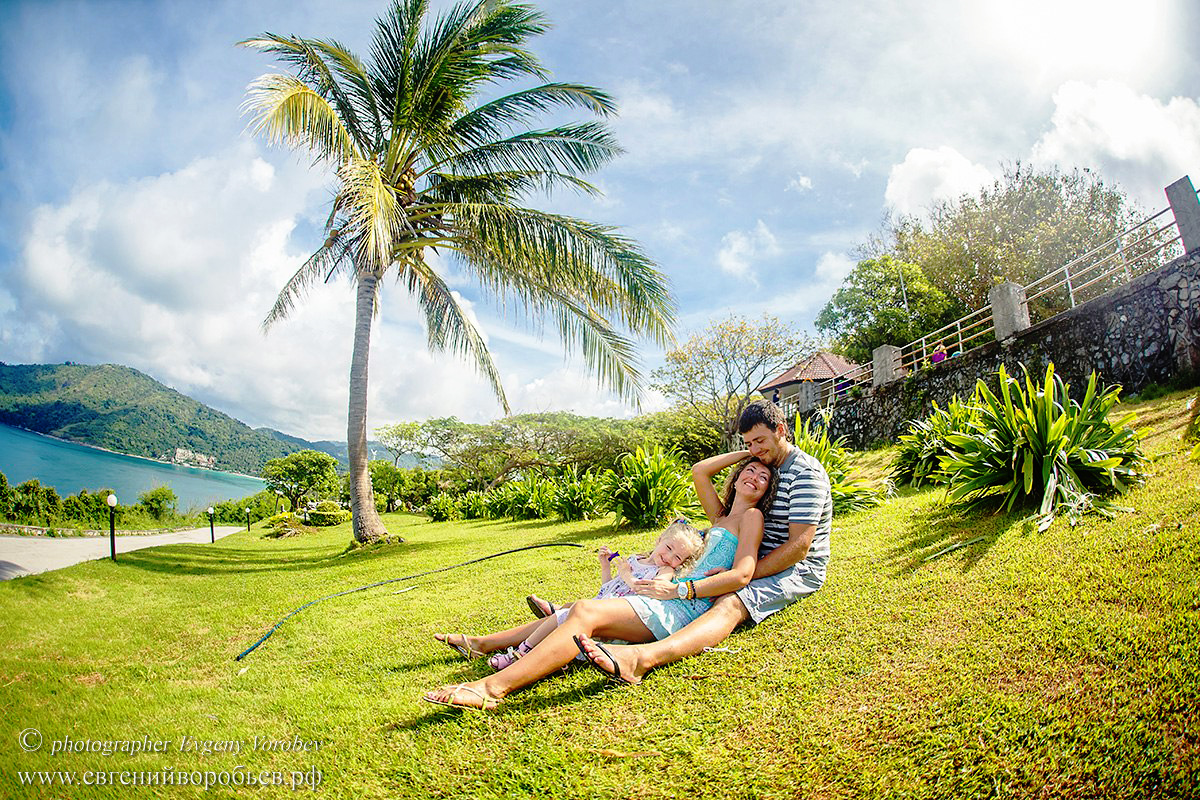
[[1119, 260], [1143, 247]]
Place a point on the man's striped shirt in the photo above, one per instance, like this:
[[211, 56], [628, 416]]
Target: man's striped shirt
[[803, 497]]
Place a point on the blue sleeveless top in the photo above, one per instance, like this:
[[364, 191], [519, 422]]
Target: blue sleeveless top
[[720, 546]]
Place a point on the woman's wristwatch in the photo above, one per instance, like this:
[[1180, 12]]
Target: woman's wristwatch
[[681, 589]]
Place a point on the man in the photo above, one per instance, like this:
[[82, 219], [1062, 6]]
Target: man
[[791, 559]]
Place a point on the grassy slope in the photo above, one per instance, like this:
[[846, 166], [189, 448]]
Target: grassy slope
[[1062, 664]]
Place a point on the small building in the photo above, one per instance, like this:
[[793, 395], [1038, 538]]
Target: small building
[[796, 387]]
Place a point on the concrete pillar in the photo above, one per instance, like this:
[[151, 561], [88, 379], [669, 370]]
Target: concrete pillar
[[1182, 197], [886, 364], [1010, 312], [805, 396]]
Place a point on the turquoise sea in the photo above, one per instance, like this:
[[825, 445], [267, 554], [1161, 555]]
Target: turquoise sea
[[69, 467]]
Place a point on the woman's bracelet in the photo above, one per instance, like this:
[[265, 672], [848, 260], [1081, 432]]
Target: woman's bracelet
[[691, 590]]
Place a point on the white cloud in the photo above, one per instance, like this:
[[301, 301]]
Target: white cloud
[[174, 274], [1139, 141], [800, 183], [570, 389], [926, 176], [739, 249]]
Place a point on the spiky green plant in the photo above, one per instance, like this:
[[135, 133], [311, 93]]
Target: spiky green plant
[[919, 456], [472, 505], [848, 494], [498, 501], [532, 497], [428, 157], [442, 507], [648, 488], [1033, 446], [578, 495]]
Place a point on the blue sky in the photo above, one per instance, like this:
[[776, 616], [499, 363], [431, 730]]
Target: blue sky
[[765, 140]]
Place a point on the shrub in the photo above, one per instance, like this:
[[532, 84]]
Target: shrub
[[1035, 446], [442, 507], [328, 513], [579, 495], [848, 495], [284, 525], [648, 489], [919, 457], [159, 502], [261, 504], [472, 505], [531, 498]]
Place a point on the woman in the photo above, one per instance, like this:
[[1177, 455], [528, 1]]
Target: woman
[[660, 607]]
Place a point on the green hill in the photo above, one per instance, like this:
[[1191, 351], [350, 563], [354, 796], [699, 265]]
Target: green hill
[[121, 409]]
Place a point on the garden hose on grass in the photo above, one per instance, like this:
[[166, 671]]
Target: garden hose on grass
[[267, 635]]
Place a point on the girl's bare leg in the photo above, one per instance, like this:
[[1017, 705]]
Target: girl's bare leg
[[609, 618], [491, 642], [547, 626]]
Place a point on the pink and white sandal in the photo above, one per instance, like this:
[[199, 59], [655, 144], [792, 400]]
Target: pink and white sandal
[[508, 657]]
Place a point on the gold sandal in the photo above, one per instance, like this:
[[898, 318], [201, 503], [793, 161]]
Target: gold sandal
[[487, 702], [465, 650]]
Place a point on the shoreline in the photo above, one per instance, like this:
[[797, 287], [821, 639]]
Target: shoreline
[[129, 455]]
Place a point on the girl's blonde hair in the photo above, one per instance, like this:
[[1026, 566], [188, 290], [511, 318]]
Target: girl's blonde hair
[[682, 530]]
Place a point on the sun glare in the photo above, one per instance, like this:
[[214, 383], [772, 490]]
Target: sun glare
[[1057, 40]]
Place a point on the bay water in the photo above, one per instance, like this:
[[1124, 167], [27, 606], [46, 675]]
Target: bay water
[[69, 467]]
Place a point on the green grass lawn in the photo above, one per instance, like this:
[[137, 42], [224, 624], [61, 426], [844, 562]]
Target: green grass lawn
[[1062, 664]]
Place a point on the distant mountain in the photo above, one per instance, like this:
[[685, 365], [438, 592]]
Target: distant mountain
[[119, 408], [339, 450]]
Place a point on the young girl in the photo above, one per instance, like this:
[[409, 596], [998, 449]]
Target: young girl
[[674, 551]]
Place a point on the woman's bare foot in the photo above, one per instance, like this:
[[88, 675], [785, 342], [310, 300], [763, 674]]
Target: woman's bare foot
[[463, 695], [461, 643], [619, 662]]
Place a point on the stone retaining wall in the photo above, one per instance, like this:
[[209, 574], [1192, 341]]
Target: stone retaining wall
[[1145, 332]]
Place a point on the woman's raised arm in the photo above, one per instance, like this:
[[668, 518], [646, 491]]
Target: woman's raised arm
[[702, 475]]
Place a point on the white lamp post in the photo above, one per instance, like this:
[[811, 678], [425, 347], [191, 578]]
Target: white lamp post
[[212, 532]]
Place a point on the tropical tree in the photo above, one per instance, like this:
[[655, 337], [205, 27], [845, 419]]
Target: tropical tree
[[884, 301], [712, 376], [403, 438], [424, 166], [299, 473], [1028, 223]]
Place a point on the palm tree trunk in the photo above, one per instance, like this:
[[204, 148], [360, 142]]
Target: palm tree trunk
[[368, 527]]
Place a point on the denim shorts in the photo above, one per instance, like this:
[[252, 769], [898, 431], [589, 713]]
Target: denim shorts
[[764, 596]]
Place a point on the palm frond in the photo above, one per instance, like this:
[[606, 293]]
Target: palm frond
[[318, 64], [521, 250], [288, 111], [576, 149], [447, 325], [335, 253], [500, 187], [374, 210], [491, 119], [609, 355]]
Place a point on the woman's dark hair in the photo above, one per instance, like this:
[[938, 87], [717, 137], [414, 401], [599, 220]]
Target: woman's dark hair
[[764, 502]]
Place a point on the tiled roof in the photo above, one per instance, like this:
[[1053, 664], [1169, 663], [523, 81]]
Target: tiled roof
[[819, 367]]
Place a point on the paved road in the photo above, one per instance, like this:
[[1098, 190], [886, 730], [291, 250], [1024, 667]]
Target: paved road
[[27, 555]]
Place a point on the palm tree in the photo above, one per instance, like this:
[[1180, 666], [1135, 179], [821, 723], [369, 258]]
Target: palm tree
[[424, 167]]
